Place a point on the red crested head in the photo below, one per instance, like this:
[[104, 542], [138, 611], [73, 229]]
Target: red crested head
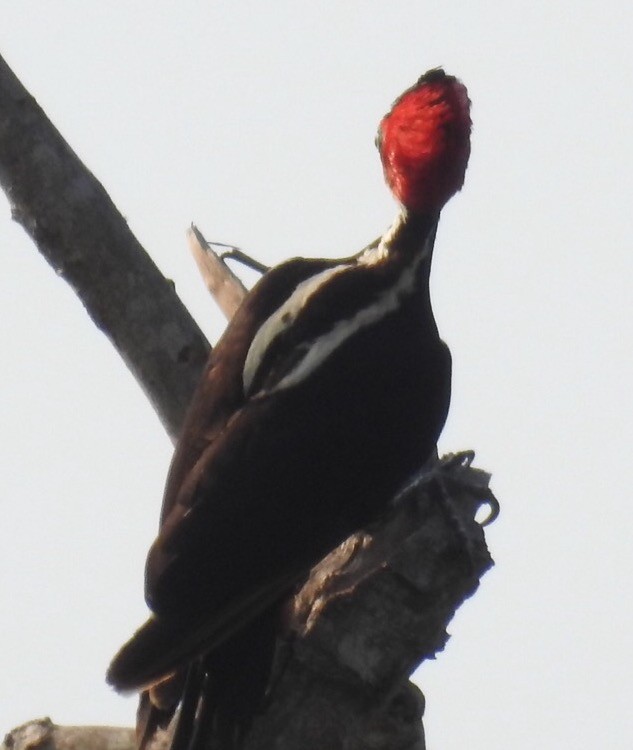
[[424, 142]]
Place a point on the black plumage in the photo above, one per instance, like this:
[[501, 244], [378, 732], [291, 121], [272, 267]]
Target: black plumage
[[326, 393]]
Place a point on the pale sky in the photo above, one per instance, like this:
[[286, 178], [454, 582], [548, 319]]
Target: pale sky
[[256, 121]]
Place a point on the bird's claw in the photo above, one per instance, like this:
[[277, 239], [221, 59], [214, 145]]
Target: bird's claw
[[459, 468]]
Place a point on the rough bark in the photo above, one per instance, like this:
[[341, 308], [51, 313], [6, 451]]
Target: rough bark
[[42, 734], [373, 609], [82, 235]]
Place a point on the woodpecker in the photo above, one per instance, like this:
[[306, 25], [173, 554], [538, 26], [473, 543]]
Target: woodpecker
[[326, 393]]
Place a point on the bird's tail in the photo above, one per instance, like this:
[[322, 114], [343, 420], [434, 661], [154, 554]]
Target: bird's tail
[[157, 706], [218, 695]]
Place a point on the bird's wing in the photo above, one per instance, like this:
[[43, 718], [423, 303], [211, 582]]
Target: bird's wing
[[163, 643], [220, 390], [162, 646]]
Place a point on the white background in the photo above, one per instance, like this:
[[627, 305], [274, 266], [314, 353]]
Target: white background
[[256, 120]]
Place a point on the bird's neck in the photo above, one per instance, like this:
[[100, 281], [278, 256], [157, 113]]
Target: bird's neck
[[411, 236], [409, 240], [407, 248]]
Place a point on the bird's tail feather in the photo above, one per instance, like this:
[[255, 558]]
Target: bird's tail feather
[[162, 646], [221, 694], [157, 706]]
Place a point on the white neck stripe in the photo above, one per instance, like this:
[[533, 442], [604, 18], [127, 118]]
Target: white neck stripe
[[282, 319], [320, 349]]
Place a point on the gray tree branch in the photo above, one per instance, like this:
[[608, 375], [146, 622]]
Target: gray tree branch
[[373, 610], [82, 235], [224, 286], [42, 734]]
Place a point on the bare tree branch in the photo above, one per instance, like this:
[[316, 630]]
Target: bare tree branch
[[374, 609], [225, 288], [42, 734], [82, 235]]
